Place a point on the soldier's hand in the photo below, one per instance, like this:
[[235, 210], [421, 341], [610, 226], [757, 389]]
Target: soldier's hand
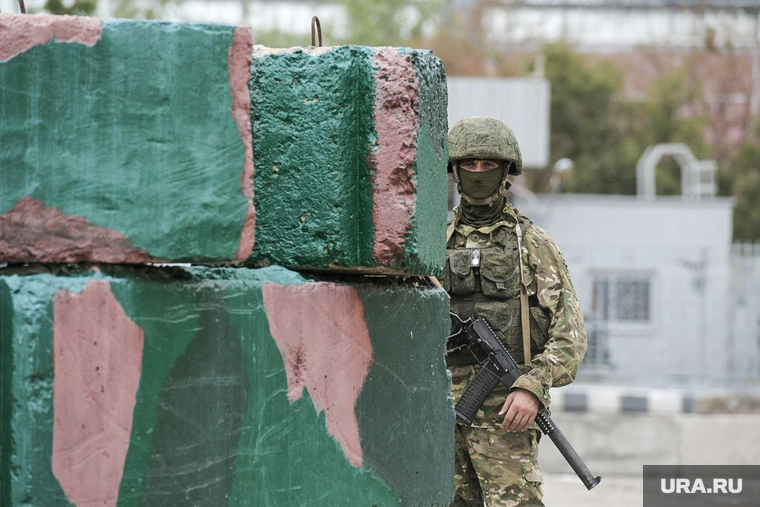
[[520, 410]]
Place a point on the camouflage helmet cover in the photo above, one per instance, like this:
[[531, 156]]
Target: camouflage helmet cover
[[483, 137]]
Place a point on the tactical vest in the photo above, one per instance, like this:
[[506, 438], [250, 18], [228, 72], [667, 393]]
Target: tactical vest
[[482, 275]]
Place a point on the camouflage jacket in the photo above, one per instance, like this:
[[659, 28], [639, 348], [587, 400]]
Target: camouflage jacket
[[548, 281]]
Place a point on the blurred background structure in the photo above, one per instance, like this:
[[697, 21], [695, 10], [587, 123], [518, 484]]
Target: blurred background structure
[[667, 268]]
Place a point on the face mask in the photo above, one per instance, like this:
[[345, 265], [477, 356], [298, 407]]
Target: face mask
[[480, 185]]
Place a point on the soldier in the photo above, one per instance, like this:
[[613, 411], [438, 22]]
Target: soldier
[[503, 268]]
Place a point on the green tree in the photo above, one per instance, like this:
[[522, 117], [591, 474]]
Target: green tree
[[132, 9], [589, 122], [76, 8], [128, 9], [604, 133], [743, 174], [388, 22], [747, 210]]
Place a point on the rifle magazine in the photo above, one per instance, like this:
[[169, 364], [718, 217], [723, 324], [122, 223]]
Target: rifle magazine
[[475, 394]]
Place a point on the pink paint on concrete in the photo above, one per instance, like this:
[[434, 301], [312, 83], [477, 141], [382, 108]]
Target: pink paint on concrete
[[19, 32], [97, 359], [396, 108], [239, 69], [323, 338], [33, 232]]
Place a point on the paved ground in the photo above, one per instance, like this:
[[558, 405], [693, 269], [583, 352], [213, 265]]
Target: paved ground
[[565, 490]]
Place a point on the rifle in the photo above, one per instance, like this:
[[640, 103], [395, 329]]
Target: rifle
[[498, 366]]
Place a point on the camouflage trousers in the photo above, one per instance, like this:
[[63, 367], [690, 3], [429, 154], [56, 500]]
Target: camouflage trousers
[[493, 467]]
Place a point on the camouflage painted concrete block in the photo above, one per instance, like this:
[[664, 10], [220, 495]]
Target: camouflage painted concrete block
[[124, 141], [221, 387], [130, 142], [351, 150]]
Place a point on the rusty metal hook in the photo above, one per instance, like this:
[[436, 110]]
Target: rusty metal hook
[[314, 22], [22, 6]]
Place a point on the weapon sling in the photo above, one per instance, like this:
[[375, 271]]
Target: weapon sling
[[524, 315]]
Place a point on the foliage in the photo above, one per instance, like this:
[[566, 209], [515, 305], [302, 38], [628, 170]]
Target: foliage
[[77, 8], [747, 210], [604, 133], [744, 173], [132, 9], [584, 100], [128, 9], [388, 23]]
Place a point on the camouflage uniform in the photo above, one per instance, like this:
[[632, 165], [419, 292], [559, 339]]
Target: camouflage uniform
[[495, 467]]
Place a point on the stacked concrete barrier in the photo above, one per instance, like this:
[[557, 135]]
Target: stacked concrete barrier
[[129, 142], [125, 381]]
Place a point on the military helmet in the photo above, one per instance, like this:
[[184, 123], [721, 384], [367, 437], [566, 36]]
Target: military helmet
[[483, 137]]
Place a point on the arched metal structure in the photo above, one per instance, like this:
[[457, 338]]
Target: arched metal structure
[[697, 176]]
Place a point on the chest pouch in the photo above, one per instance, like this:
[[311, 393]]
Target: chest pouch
[[459, 275], [499, 273]]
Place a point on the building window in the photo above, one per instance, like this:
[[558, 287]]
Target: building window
[[618, 299], [622, 298]]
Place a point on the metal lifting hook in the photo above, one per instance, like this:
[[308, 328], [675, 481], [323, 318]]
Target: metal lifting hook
[[314, 24]]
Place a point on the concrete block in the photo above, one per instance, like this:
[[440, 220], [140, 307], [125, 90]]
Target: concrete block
[[131, 142], [351, 151], [223, 387], [124, 141]]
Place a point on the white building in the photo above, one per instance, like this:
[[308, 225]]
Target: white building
[[665, 300]]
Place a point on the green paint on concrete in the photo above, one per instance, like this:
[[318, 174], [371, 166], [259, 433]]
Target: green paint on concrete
[[135, 134], [6, 365], [424, 243], [30, 390], [201, 410], [288, 458], [312, 122], [277, 452], [404, 338]]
